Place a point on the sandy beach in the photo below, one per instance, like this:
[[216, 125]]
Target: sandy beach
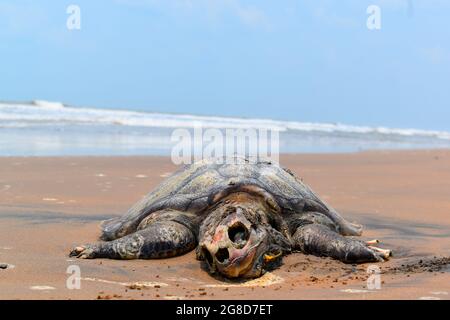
[[48, 205]]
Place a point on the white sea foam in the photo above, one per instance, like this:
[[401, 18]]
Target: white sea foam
[[48, 104], [19, 115]]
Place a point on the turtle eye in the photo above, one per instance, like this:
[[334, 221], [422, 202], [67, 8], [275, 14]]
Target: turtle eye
[[238, 234]]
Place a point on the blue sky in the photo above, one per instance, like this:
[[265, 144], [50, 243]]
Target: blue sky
[[311, 60]]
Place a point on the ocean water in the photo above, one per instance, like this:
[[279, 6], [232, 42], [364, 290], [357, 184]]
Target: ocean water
[[43, 128]]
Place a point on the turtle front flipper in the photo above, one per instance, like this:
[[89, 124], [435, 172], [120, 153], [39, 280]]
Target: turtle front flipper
[[320, 240], [160, 239]]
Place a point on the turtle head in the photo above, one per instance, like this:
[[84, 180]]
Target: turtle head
[[236, 240]]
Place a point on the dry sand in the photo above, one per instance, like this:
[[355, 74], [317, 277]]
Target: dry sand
[[48, 205]]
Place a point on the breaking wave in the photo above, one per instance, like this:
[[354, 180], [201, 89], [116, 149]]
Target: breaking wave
[[42, 113]]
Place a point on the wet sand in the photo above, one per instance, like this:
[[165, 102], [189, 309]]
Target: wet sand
[[48, 205]]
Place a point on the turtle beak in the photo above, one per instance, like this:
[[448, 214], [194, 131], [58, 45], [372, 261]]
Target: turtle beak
[[239, 264]]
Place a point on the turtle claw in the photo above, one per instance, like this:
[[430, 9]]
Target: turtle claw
[[82, 252], [383, 254]]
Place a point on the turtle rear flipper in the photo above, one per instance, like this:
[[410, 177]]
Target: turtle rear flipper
[[121, 226], [110, 229]]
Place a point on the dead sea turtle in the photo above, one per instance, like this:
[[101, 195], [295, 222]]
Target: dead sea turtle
[[242, 216]]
